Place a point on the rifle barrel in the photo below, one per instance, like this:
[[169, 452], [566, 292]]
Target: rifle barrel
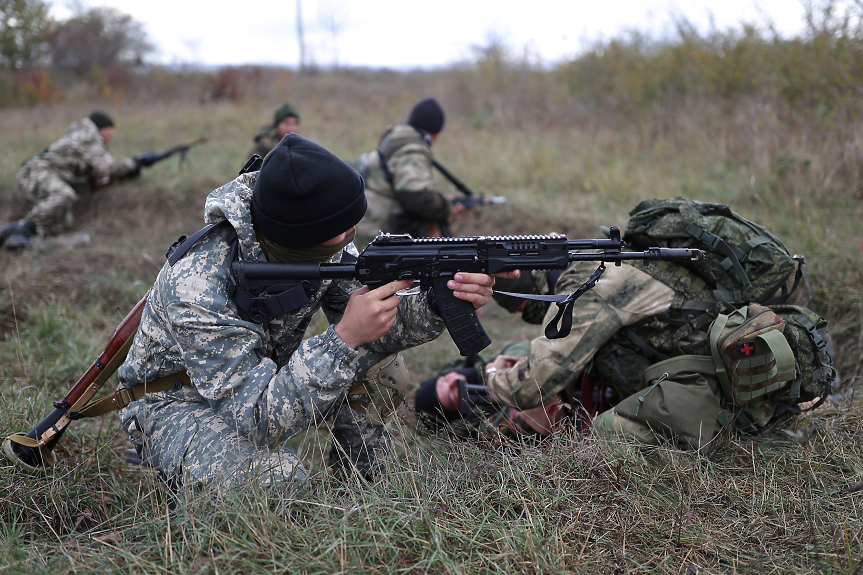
[[294, 271], [651, 254]]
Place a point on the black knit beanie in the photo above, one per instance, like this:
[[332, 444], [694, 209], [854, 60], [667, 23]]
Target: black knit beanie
[[427, 401], [101, 119], [427, 115], [305, 195]]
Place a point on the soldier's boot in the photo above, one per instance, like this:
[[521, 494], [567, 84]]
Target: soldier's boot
[[19, 236]]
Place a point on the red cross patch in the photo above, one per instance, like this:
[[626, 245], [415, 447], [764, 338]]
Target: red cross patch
[[745, 348]]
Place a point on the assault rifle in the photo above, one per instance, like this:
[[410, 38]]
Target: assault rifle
[[434, 261], [403, 221], [143, 160], [148, 158]]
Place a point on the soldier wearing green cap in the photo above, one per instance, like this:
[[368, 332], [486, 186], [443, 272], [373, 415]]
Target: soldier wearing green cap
[[80, 158], [286, 120]]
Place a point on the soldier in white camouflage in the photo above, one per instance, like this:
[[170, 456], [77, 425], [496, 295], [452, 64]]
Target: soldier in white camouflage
[[82, 159], [286, 120], [256, 384], [401, 193]]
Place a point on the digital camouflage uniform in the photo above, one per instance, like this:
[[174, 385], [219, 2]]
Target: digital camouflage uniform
[[254, 386], [409, 161], [623, 296], [266, 138], [46, 179]]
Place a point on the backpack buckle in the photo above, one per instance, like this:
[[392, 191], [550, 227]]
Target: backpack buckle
[[174, 246]]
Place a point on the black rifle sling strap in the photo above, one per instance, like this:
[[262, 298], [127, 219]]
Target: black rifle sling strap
[[561, 325], [257, 308], [264, 307]]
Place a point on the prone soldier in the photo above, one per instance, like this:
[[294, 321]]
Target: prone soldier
[[46, 180]]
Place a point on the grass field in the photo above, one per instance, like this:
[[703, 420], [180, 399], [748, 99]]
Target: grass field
[[777, 503]]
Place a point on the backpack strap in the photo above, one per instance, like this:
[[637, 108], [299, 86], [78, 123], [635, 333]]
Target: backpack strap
[[184, 243], [263, 308], [389, 146], [642, 345], [733, 257], [826, 373], [799, 275]]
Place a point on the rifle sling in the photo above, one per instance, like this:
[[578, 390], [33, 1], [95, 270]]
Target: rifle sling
[[565, 303], [126, 395]]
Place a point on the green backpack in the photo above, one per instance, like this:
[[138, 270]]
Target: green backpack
[[744, 262]]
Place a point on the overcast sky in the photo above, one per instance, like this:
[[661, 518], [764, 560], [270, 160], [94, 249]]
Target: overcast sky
[[404, 33]]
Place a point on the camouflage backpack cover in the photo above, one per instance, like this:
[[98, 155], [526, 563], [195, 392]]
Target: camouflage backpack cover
[[744, 261], [708, 292]]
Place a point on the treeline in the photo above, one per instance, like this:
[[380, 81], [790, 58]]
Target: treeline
[[102, 52], [820, 72], [39, 55]]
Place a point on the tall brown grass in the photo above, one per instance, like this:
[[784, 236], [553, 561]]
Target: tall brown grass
[[572, 148]]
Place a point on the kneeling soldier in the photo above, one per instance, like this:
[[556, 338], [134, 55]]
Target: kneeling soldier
[[252, 383]]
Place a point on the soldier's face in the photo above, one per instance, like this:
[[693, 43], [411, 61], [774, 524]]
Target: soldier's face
[[339, 238], [108, 133], [287, 126], [446, 388]]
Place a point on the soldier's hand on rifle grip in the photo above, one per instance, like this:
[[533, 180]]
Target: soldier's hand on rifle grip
[[370, 314], [455, 209], [476, 288]]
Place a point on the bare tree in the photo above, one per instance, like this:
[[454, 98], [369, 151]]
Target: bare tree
[[333, 19], [22, 27], [101, 37], [300, 36]]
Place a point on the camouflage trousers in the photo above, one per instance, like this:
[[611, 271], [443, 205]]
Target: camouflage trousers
[[191, 445], [52, 198]]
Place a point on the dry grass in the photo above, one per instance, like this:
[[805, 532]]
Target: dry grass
[[771, 504]]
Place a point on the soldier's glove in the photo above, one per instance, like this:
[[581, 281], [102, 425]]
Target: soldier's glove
[[146, 159], [385, 384]]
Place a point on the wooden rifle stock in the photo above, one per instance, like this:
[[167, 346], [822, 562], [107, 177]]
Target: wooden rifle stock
[[34, 449]]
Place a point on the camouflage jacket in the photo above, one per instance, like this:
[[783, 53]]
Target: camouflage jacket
[[409, 161], [259, 378], [623, 296], [265, 139], [80, 153]]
